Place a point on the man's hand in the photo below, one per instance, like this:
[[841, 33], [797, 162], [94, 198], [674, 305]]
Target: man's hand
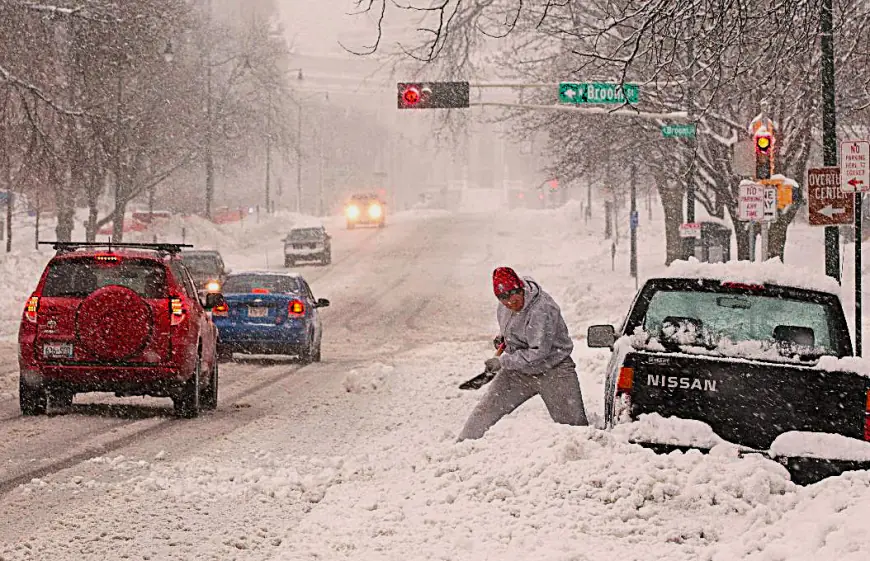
[[498, 341], [493, 364]]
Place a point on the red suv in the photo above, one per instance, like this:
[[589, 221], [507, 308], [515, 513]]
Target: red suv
[[122, 318]]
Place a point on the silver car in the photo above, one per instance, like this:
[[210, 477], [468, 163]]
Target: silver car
[[311, 244]]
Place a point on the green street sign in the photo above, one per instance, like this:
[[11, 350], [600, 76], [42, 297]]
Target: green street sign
[[679, 131], [597, 92]]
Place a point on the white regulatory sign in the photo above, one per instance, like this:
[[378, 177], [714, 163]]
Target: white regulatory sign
[[855, 166], [690, 230], [750, 205]]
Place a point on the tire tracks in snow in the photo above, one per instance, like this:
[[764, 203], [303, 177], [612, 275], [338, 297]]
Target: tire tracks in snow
[[137, 429], [230, 415]]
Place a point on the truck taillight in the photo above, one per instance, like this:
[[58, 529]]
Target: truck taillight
[[31, 308], [296, 309], [625, 381], [179, 312], [867, 418]]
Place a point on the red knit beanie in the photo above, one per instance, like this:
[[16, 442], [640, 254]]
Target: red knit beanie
[[505, 279]]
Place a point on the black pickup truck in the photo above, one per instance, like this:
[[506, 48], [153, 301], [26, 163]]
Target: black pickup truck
[[753, 361]]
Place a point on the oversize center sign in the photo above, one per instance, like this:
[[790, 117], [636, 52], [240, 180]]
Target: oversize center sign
[[828, 204]]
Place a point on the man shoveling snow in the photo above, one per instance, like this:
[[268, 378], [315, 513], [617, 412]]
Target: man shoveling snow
[[536, 359]]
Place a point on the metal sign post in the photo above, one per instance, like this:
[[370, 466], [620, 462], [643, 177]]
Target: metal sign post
[[859, 210], [855, 178]]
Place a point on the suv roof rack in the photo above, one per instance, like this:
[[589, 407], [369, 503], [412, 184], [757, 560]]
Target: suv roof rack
[[66, 247]]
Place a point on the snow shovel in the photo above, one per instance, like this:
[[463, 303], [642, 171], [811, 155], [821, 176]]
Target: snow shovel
[[481, 379]]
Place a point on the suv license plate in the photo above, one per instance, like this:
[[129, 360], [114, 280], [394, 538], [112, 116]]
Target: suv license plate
[[57, 350], [257, 312]]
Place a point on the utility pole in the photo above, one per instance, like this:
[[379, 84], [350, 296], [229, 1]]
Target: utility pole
[[268, 147], [299, 160], [690, 103], [633, 225], [7, 165], [9, 203], [829, 132], [209, 157], [588, 213]]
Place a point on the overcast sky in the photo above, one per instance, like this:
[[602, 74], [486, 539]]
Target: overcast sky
[[317, 26]]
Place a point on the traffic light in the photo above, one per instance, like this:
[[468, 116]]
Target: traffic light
[[433, 95], [763, 154]]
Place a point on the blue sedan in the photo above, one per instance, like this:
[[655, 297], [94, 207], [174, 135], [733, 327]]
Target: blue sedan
[[269, 313]]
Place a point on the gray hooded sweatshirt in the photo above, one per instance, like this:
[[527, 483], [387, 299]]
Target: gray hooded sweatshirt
[[537, 337]]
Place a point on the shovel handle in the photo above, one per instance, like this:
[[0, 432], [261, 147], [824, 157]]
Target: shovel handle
[[500, 350]]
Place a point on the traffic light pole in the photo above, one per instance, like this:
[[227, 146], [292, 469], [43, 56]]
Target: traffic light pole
[[829, 131]]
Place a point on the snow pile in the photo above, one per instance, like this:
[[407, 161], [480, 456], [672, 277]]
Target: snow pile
[[368, 379], [856, 364], [820, 445], [261, 475], [772, 271], [827, 521], [654, 428]]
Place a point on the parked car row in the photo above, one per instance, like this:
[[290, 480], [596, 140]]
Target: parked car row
[[154, 319]]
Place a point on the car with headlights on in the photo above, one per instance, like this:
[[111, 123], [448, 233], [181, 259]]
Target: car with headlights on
[[268, 312], [365, 209], [207, 269]]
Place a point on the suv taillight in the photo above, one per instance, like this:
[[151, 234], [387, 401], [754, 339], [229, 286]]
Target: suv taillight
[[296, 309], [31, 308], [178, 310]]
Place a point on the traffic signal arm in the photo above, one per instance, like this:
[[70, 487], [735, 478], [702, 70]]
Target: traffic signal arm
[[433, 95]]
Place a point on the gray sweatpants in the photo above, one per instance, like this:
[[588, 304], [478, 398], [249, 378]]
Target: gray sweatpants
[[559, 388]]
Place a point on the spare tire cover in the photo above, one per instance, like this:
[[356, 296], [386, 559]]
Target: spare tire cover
[[114, 323]]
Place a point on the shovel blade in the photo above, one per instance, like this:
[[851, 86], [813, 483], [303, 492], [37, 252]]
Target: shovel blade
[[478, 381]]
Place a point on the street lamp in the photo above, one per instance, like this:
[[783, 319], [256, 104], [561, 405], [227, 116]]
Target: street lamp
[[299, 76]]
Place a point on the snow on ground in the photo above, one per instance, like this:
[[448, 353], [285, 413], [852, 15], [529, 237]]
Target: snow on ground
[[529, 490]]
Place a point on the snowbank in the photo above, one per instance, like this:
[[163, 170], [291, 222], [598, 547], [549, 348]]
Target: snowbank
[[820, 445]]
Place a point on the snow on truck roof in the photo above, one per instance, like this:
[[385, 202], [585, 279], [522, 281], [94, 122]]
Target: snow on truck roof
[[772, 271]]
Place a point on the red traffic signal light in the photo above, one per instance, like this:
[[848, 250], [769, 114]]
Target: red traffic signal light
[[433, 95], [411, 95]]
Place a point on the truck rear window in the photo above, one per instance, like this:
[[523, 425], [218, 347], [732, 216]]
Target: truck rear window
[[709, 318], [77, 278]]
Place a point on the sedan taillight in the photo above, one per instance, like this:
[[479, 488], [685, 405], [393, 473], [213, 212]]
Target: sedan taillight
[[296, 309], [221, 310]]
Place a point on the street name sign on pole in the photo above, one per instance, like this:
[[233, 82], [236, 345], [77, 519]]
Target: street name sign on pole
[[855, 166], [679, 131], [828, 204], [597, 92]]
